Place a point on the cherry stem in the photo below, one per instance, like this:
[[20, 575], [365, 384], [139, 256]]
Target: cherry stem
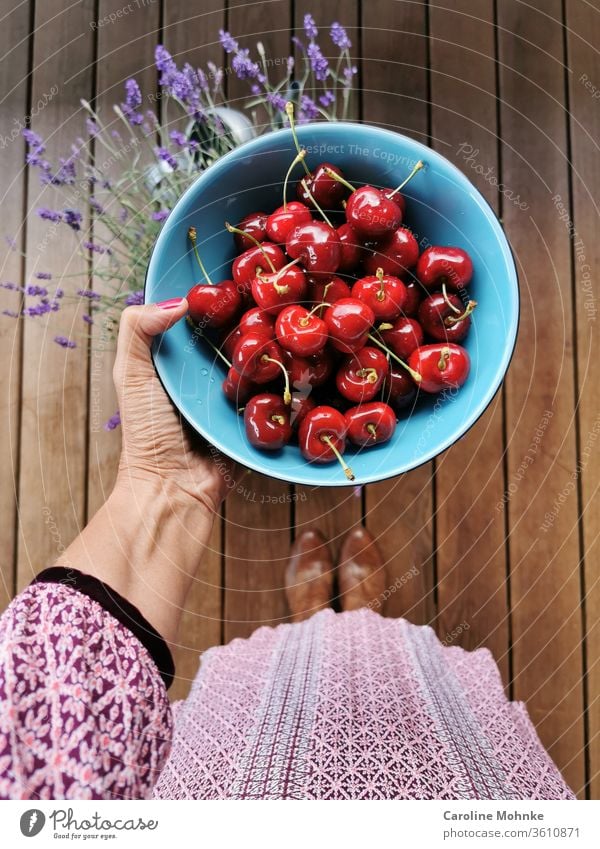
[[299, 158], [414, 374], [371, 429], [289, 111], [287, 395], [340, 179], [451, 319], [312, 197], [448, 301], [443, 360], [385, 325], [420, 164], [304, 321], [280, 420], [368, 374], [381, 294], [249, 236], [200, 334], [347, 470], [192, 236]]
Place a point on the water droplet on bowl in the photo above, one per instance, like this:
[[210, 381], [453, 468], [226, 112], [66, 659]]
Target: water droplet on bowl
[[212, 380], [203, 372]]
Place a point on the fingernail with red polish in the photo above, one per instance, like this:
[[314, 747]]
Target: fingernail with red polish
[[170, 304]]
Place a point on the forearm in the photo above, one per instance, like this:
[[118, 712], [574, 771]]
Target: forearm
[[146, 542]]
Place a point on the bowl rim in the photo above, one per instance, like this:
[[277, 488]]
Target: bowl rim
[[422, 151]]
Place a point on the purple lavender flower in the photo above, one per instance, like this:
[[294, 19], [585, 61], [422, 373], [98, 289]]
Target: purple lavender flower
[[10, 313], [12, 287], [36, 291], [228, 43], [165, 154], [255, 90], [113, 422], [96, 206], [308, 109], [243, 67], [135, 299], [92, 127], [42, 275], [87, 318], [132, 103], [178, 137], [73, 218], [339, 36], [276, 100], [65, 342], [160, 215], [349, 73], [327, 98], [298, 43], [310, 27], [89, 294], [290, 65], [318, 62], [95, 248], [165, 64], [34, 141], [59, 293], [38, 309], [49, 214]]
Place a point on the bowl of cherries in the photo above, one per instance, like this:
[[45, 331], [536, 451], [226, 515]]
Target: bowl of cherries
[[353, 304]]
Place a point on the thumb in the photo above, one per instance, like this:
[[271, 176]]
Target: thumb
[[138, 327]]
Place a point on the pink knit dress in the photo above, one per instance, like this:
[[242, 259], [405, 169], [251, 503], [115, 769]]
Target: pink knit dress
[[342, 706]]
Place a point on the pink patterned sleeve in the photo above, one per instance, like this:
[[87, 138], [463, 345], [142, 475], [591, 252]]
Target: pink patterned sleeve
[[84, 712]]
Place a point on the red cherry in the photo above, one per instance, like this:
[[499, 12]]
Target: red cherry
[[300, 331], [361, 375], [399, 389], [214, 306], [229, 340], [237, 388], [384, 293], [439, 266], [245, 266], [352, 248], [326, 190], [395, 256], [370, 424], [441, 366], [300, 406], [402, 337], [316, 245], [257, 319], [267, 421], [308, 372], [349, 322], [414, 293], [253, 224], [327, 289], [445, 318], [285, 218], [371, 213], [322, 437], [257, 358], [273, 292]]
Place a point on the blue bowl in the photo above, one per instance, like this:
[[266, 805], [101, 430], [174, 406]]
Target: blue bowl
[[442, 208]]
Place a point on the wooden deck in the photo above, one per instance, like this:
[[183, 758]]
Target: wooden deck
[[517, 82]]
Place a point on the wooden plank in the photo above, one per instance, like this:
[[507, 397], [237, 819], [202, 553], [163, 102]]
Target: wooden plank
[[192, 36], [395, 95], [544, 567], [14, 111], [471, 555], [333, 511], [258, 517], [53, 427], [583, 35]]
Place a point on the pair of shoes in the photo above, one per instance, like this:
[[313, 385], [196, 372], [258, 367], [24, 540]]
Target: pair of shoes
[[309, 577]]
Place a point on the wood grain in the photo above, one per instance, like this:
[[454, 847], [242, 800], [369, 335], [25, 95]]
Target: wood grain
[[471, 555], [544, 562], [14, 109], [53, 426], [395, 95]]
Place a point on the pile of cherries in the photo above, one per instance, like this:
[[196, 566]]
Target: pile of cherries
[[333, 321]]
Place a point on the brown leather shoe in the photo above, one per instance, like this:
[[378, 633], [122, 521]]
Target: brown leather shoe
[[361, 573], [309, 576]]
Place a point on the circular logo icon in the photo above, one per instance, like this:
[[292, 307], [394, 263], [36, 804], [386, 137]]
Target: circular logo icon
[[32, 822]]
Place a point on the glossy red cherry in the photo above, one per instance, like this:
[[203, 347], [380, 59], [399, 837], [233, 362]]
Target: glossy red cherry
[[308, 372], [257, 358], [267, 422], [246, 265], [257, 319], [300, 331], [322, 437], [399, 389], [360, 377], [237, 388], [445, 318], [349, 322], [352, 248], [214, 306], [255, 226], [441, 366], [402, 337], [325, 189], [285, 218], [439, 266], [230, 339], [326, 289], [370, 424], [384, 293], [395, 256], [273, 292], [371, 213], [414, 294], [317, 246]]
